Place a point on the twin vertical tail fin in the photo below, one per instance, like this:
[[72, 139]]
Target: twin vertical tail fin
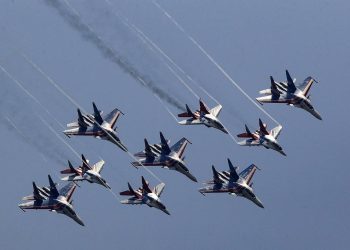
[[188, 113], [97, 114], [145, 186], [203, 107], [290, 82], [85, 165], [263, 129], [148, 149], [81, 120], [164, 143], [36, 193], [233, 174], [53, 190]]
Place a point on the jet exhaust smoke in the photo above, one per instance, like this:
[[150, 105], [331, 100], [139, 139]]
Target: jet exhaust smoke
[[87, 33]]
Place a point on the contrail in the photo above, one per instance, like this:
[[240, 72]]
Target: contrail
[[19, 84], [72, 17], [40, 142], [59, 137], [211, 59], [76, 104]]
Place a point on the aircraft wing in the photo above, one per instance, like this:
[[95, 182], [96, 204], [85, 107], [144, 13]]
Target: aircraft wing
[[149, 161], [180, 146], [248, 173], [216, 110], [98, 167], [112, 117], [275, 132], [159, 189], [249, 142], [191, 121], [72, 178], [306, 85], [132, 201], [68, 190]]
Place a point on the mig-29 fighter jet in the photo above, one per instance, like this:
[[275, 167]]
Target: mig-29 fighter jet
[[165, 156], [85, 172], [232, 183], [95, 125], [53, 200], [262, 137], [145, 195], [287, 92], [203, 116]]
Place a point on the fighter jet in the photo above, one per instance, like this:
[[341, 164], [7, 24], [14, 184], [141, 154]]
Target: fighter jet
[[53, 200], [232, 183], [262, 137], [162, 155], [203, 116], [145, 195], [95, 125], [287, 92], [85, 172]]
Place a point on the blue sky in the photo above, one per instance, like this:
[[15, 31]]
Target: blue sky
[[305, 194]]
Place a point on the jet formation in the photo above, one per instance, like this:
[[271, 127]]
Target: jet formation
[[170, 157], [145, 195], [287, 92]]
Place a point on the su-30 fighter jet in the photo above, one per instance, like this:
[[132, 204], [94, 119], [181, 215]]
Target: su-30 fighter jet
[[85, 172], [262, 137], [53, 200], [95, 125], [165, 156], [145, 195], [287, 92], [203, 116], [232, 183]]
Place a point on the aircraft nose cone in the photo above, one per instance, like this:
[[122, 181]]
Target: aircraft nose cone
[[259, 203], [283, 153], [192, 177], [166, 211], [317, 115]]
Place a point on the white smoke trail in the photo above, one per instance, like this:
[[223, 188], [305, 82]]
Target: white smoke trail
[[218, 66], [19, 84], [72, 17], [25, 138], [58, 136], [64, 93]]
